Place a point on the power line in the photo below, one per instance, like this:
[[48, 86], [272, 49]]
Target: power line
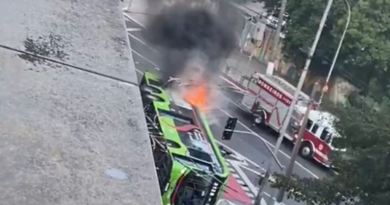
[[76, 67]]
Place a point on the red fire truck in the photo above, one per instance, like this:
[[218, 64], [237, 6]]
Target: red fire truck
[[268, 102]]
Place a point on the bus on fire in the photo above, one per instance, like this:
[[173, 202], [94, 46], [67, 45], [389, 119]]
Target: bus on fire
[[189, 164]]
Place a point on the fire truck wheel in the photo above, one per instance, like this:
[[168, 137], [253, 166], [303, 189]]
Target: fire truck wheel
[[259, 120], [306, 151]]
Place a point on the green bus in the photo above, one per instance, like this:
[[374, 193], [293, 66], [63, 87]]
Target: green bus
[[189, 164]]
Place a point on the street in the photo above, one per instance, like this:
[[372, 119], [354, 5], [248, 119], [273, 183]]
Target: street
[[251, 155]]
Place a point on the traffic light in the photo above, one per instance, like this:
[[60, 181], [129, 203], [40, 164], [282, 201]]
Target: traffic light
[[229, 128]]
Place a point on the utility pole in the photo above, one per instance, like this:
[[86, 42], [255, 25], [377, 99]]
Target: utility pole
[[282, 131], [300, 83], [275, 48], [263, 181], [337, 51], [298, 141]]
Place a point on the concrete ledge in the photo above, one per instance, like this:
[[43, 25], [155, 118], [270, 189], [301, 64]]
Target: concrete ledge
[[71, 136]]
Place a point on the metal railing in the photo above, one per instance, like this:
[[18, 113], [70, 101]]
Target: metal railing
[[236, 71]]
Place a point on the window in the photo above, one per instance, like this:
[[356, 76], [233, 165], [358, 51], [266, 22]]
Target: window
[[198, 154], [194, 189], [309, 124], [186, 161], [315, 128], [325, 135]]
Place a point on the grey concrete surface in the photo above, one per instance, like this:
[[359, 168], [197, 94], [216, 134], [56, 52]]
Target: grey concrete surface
[[69, 136]]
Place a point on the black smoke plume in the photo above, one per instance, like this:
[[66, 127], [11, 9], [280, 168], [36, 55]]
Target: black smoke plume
[[185, 33]]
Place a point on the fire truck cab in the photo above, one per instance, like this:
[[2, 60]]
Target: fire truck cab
[[268, 100], [317, 141]]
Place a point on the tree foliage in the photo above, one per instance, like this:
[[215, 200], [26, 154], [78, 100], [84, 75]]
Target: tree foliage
[[364, 168], [364, 121], [364, 57]]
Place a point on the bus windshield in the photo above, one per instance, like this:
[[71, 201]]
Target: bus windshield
[[194, 189]]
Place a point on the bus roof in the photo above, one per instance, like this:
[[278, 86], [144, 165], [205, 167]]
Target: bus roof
[[185, 126]]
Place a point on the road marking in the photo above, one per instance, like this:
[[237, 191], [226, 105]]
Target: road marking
[[242, 183], [251, 195], [235, 175], [142, 42], [133, 29], [243, 176], [273, 198], [232, 171], [143, 57], [265, 141], [243, 132], [245, 165], [246, 189], [240, 157], [240, 180], [252, 170], [138, 71]]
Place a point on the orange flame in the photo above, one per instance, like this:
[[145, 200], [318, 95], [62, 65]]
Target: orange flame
[[197, 96]]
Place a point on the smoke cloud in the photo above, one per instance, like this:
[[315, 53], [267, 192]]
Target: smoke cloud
[[191, 40]]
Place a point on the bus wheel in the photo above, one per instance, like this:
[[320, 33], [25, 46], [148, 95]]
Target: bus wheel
[[306, 151]]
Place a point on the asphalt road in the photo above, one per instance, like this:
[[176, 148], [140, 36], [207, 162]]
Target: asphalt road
[[250, 143]]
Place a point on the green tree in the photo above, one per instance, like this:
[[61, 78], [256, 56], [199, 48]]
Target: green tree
[[364, 168], [365, 53]]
